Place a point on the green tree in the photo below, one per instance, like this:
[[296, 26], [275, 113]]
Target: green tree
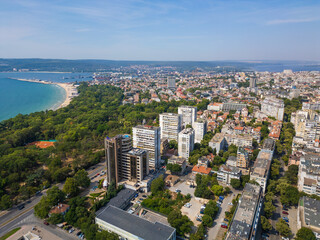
[[173, 144], [55, 218], [269, 208], [180, 222], [5, 202], [235, 183], [265, 224], [82, 178], [217, 190], [55, 196], [157, 185], [70, 188], [283, 228], [305, 234], [211, 209], [42, 208], [290, 196], [207, 220]]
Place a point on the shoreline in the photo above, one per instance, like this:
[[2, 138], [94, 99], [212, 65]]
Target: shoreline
[[70, 90]]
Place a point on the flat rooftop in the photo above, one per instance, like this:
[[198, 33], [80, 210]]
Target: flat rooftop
[[311, 211], [134, 224], [146, 127], [125, 195], [244, 216]]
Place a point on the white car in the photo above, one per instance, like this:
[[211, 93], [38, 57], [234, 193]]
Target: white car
[[230, 203]]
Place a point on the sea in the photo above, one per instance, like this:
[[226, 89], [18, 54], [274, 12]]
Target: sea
[[27, 97]]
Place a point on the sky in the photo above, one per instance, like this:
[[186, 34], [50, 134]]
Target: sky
[[198, 30]]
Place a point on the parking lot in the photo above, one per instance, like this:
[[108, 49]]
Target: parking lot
[[292, 219], [183, 187]]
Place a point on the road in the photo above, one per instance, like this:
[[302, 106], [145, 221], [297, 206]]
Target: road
[[213, 231], [13, 217]]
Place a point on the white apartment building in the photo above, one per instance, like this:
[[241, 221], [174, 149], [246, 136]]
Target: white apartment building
[[170, 125], [186, 142], [218, 142], [171, 83], [200, 129], [148, 138], [189, 114], [273, 107]]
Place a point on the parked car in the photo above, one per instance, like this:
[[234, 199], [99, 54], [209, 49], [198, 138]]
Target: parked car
[[145, 196], [224, 226], [285, 218], [71, 230], [227, 220], [79, 233], [45, 223], [141, 199], [230, 203], [178, 191], [284, 212], [265, 235]]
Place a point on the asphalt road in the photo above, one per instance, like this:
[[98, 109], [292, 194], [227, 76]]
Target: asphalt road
[[14, 216]]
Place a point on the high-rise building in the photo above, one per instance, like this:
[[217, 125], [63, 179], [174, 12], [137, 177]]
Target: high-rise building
[[189, 114], [170, 125], [171, 83], [200, 129], [123, 161], [186, 142], [148, 138], [273, 107], [242, 158], [253, 82]]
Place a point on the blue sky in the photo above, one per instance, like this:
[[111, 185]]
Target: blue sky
[[161, 30]]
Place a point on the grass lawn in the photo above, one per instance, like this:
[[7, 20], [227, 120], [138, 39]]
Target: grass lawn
[[13, 231]]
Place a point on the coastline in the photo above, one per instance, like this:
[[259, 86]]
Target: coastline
[[70, 90]]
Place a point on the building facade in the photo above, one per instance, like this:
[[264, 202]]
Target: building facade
[[273, 107], [200, 129], [218, 142], [148, 138], [186, 142], [170, 125], [242, 158], [189, 114]]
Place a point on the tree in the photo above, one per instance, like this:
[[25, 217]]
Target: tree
[[55, 196], [5, 202], [305, 234], [175, 168], [292, 174], [290, 196], [157, 185], [217, 190], [265, 224], [173, 144], [70, 187], [180, 222], [269, 208], [55, 218], [283, 228], [235, 183], [82, 178], [211, 209], [244, 179], [42, 208], [207, 220]]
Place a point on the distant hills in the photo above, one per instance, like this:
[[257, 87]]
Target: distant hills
[[86, 65]]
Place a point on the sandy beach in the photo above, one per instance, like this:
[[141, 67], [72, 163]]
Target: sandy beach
[[71, 91]]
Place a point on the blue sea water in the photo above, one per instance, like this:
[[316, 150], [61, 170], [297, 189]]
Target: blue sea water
[[27, 97]]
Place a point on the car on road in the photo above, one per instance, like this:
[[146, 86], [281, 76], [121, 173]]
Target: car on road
[[284, 212], [45, 223], [21, 206]]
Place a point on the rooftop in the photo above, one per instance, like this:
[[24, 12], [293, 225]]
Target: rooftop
[[311, 211], [60, 208], [201, 169], [147, 127], [134, 224], [122, 197], [218, 137]]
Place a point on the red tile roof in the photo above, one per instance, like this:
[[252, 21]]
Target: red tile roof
[[201, 169]]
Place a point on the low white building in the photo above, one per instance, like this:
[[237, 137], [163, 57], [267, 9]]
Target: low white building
[[226, 173]]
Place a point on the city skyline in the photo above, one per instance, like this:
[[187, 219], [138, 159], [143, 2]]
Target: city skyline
[[161, 30]]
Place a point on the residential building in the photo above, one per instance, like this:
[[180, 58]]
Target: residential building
[[261, 169], [218, 142], [253, 82], [171, 83], [170, 125], [171, 180], [201, 170], [200, 129], [309, 174], [306, 124], [61, 208], [226, 173], [311, 106], [123, 198], [273, 107], [181, 161], [125, 163], [240, 140], [308, 214], [246, 217], [114, 149], [164, 146], [148, 138], [242, 158], [269, 144], [232, 161], [233, 106], [189, 114], [215, 106], [186, 142], [131, 227], [203, 161]]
